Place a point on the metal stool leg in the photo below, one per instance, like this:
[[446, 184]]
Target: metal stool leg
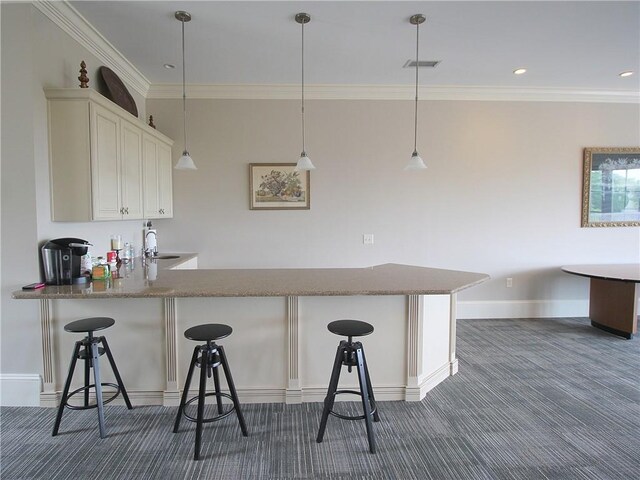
[[216, 381], [362, 378], [116, 373], [333, 386], [376, 417], [232, 390], [67, 385], [95, 358], [87, 376], [201, 399], [185, 392]]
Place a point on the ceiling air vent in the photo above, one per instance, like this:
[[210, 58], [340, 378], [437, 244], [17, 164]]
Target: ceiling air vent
[[421, 63]]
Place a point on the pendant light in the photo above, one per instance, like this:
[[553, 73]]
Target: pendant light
[[185, 162], [304, 162], [416, 162]]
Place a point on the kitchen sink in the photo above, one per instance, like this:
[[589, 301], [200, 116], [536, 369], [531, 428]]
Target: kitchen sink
[[165, 257]]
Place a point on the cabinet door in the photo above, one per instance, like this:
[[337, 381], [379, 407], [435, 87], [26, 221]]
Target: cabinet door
[[165, 181], [131, 171], [105, 164], [150, 175]]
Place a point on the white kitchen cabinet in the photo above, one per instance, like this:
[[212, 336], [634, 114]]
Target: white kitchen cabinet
[[157, 175], [97, 159], [131, 179]]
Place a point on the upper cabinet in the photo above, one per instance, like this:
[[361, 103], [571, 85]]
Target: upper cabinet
[[158, 185], [105, 164]]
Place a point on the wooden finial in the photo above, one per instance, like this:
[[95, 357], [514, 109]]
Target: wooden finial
[[84, 80], [151, 121]]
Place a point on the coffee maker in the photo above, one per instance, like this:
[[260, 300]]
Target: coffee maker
[[61, 261]]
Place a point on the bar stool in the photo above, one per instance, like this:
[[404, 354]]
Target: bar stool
[[88, 349], [351, 354], [208, 357]]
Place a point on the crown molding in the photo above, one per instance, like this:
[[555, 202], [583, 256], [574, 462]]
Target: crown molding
[[391, 92], [65, 16], [77, 27]]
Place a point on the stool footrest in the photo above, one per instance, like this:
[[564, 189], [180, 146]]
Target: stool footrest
[[210, 419], [352, 417], [93, 405]]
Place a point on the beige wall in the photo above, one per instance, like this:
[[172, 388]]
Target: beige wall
[[501, 195]]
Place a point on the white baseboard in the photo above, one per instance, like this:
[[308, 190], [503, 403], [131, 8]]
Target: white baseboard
[[20, 390], [246, 395], [523, 309], [382, 393], [426, 383]]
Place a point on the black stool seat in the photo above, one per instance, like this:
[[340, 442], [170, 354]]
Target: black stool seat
[[89, 324], [350, 328], [208, 332]]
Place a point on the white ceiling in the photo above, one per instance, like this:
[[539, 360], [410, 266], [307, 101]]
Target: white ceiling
[[579, 45]]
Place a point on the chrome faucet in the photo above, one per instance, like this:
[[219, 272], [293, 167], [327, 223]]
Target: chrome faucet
[[151, 246]]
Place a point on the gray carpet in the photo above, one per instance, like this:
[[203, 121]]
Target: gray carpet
[[534, 399]]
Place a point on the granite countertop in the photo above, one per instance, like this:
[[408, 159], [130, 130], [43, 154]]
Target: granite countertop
[[387, 279]]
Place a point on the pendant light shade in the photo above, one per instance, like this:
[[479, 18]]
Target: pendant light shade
[[185, 162], [304, 162], [416, 162]]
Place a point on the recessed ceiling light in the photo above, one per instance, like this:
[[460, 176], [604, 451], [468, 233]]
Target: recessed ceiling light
[[626, 74], [520, 71], [422, 64], [169, 66]]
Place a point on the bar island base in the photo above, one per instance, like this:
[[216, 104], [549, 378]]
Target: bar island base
[[281, 350]]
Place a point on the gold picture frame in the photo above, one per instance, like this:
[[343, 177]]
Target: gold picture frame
[[611, 187], [277, 186]]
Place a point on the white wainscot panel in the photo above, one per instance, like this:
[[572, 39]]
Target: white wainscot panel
[[385, 348], [256, 349], [435, 333], [136, 340]]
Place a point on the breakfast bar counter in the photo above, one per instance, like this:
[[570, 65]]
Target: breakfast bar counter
[[388, 279], [279, 317]]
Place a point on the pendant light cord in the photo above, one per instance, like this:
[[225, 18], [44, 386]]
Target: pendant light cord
[[184, 93], [415, 136], [303, 150]]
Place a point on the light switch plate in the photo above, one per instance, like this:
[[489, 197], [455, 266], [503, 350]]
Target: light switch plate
[[367, 238]]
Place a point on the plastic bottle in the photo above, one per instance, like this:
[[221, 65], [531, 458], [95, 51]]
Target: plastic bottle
[[86, 264], [126, 258]]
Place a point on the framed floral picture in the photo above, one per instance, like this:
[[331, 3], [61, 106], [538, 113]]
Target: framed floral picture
[[277, 186]]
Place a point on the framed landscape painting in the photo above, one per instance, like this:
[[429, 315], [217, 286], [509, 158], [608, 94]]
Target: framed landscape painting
[[611, 187], [277, 186]]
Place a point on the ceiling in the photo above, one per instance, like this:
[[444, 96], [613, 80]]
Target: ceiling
[[572, 45]]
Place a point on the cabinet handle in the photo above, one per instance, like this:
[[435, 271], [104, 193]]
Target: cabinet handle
[[126, 210], [121, 210]]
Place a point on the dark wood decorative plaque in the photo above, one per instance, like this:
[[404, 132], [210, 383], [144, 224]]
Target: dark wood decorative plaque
[[118, 93]]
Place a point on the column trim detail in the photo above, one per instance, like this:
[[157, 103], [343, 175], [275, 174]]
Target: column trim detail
[[171, 396], [415, 310], [294, 389]]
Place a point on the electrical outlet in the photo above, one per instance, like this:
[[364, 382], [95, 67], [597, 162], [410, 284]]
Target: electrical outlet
[[367, 238], [509, 282]]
